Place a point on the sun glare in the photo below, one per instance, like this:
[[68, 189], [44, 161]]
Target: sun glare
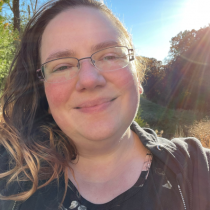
[[196, 14]]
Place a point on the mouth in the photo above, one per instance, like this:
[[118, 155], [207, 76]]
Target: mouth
[[95, 105]]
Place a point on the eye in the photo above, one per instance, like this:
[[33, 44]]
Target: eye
[[62, 67], [109, 57]]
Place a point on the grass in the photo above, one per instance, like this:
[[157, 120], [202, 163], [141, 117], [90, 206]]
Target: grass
[[173, 123]]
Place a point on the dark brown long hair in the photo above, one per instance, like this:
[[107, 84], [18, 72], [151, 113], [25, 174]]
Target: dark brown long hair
[[38, 149]]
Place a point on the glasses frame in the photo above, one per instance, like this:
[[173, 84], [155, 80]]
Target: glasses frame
[[40, 73]]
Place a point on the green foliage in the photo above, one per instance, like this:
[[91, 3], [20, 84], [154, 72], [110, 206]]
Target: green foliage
[[167, 120], [188, 72], [182, 83], [154, 75], [9, 37], [7, 48], [139, 120], [182, 42], [186, 41]]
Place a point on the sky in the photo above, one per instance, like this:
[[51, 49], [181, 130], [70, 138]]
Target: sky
[[152, 23]]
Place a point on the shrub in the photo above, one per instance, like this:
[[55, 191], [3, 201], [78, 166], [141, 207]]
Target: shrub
[[179, 132], [159, 133], [201, 130], [139, 120]]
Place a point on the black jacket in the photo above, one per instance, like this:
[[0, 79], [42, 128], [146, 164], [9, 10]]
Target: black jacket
[[185, 157]]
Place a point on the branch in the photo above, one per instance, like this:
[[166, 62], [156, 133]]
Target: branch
[[32, 7], [36, 5], [29, 13], [10, 6]]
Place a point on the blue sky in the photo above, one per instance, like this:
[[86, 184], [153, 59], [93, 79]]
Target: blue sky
[[153, 23]]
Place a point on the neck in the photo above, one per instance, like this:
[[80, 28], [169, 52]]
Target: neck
[[103, 165], [106, 149]]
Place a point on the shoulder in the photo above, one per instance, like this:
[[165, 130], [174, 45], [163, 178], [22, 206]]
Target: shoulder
[[199, 155], [189, 147], [192, 146], [184, 151]]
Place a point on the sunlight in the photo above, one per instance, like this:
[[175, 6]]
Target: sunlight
[[196, 14]]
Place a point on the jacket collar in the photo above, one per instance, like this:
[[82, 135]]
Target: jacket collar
[[164, 149]]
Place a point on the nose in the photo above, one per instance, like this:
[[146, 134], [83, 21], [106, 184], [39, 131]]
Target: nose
[[89, 77]]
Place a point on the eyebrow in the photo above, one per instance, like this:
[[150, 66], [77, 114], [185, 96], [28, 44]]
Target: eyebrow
[[71, 53], [103, 45], [60, 54]]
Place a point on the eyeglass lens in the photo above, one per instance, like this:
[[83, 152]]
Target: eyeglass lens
[[63, 69]]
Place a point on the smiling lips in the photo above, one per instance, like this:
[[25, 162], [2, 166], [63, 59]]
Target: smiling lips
[[95, 105]]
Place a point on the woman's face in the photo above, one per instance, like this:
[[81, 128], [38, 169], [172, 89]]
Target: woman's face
[[93, 105]]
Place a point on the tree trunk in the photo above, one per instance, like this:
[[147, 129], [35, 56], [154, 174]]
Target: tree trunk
[[16, 12]]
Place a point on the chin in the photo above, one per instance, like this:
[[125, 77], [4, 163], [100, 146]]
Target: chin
[[104, 131]]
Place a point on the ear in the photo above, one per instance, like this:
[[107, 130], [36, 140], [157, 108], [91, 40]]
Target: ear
[[140, 88]]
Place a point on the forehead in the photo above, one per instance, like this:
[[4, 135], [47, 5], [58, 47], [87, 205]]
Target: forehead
[[77, 29]]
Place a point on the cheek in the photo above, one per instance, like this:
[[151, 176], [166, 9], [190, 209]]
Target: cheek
[[126, 80], [57, 93]]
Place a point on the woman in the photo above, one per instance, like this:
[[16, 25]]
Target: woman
[[68, 140]]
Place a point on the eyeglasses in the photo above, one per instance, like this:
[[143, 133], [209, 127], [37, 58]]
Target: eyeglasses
[[108, 59]]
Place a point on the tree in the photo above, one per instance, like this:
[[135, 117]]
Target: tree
[[10, 31], [183, 82], [16, 12], [7, 47], [154, 74], [188, 72], [184, 41], [181, 43], [19, 10], [32, 8]]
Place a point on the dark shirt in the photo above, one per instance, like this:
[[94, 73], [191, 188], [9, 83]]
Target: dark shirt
[[144, 197], [178, 179]]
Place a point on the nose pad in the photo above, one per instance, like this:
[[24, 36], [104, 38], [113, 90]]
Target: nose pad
[[89, 77], [78, 65], [93, 62], [90, 60]]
